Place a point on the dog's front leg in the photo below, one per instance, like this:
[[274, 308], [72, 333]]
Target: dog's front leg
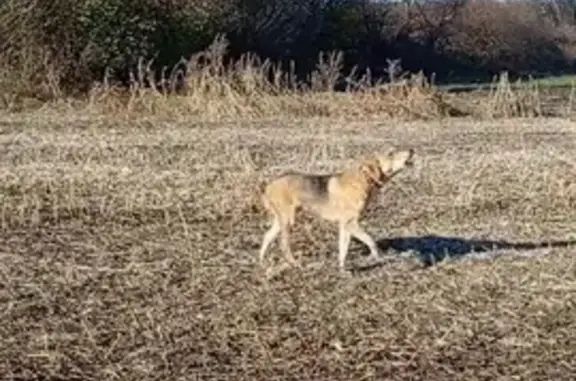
[[364, 237], [344, 242]]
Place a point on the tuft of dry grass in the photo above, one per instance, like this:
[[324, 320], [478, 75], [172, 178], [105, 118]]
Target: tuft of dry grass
[[128, 252], [506, 102]]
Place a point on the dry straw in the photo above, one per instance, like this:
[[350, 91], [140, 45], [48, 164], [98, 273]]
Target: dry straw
[[209, 87]]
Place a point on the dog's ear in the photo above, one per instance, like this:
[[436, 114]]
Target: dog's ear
[[371, 168]]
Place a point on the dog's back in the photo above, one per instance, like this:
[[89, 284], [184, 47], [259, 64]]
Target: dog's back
[[313, 189], [299, 188]]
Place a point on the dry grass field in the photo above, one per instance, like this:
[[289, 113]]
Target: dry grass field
[[128, 251]]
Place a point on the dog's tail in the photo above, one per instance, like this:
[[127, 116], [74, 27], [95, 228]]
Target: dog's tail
[[259, 200], [262, 195]]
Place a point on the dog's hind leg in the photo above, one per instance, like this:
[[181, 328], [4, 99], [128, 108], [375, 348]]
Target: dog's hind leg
[[269, 236], [360, 234], [285, 222], [344, 242]]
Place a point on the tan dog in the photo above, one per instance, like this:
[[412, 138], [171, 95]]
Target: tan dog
[[340, 197]]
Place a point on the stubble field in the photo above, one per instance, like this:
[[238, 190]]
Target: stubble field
[[128, 251]]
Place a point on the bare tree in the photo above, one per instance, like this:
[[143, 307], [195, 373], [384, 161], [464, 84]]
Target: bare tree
[[435, 19], [275, 25]]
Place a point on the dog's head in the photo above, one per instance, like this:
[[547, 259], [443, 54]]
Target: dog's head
[[379, 168]]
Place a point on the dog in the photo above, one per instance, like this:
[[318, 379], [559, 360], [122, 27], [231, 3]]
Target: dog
[[338, 197]]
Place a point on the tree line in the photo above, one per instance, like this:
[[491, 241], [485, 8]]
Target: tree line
[[74, 42]]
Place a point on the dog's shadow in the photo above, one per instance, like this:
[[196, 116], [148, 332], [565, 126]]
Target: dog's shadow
[[431, 249]]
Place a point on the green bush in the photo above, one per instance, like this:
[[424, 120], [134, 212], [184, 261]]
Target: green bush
[[120, 32], [75, 41], [117, 33]]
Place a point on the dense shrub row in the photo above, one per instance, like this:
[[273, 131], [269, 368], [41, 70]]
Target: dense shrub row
[[67, 44]]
